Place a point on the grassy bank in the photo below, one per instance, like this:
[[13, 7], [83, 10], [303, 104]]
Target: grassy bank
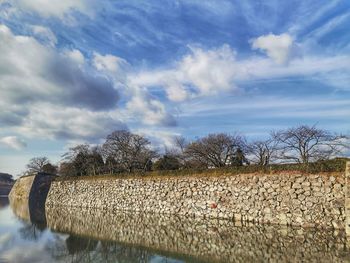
[[336, 166]]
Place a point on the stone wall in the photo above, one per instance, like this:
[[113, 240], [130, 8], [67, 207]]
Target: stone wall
[[347, 198], [290, 199], [214, 239]]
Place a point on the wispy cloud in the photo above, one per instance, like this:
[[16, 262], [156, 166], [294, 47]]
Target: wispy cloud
[[13, 142], [76, 70], [47, 8]]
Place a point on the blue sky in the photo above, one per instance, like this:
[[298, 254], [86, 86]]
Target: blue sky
[[72, 71]]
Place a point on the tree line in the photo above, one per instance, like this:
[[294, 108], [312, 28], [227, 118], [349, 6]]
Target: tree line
[[126, 152]]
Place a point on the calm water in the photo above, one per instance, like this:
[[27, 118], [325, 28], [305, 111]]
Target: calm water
[[80, 235]]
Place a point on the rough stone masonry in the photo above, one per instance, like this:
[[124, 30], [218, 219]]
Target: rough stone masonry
[[288, 199]]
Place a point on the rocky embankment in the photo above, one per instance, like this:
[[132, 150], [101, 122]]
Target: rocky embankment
[[289, 199]]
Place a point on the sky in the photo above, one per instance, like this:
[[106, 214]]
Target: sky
[[72, 71]]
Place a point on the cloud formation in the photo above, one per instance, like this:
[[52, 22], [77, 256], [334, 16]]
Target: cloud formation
[[277, 47], [32, 73], [201, 72], [69, 123], [148, 110], [76, 70], [217, 71], [13, 142], [45, 34], [64, 95], [47, 8]]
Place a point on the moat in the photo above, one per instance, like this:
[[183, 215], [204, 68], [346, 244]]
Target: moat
[[88, 235]]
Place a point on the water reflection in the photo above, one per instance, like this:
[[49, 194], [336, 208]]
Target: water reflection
[[31, 216], [76, 249], [27, 240], [207, 241], [86, 235], [4, 201]]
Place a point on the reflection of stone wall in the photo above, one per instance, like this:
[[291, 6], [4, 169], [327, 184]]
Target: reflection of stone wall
[[307, 200], [19, 197], [28, 197], [217, 240]]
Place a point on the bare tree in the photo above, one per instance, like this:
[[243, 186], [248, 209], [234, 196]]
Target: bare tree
[[37, 164], [177, 151], [215, 150], [82, 160], [128, 151], [263, 151], [304, 143], [180, 143], [76, 160], [95, 161]]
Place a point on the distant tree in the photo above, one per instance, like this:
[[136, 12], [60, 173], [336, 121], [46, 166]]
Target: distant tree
[[167, 162], [111, 164], [6, 178], [37, 164], [95, 161], [263, 152], [180, 144], [77, 156], [129, 151], [67, 169], [50, 169], [215, 150], [178, 151], [238, 158], [82, 160], [304, 144]]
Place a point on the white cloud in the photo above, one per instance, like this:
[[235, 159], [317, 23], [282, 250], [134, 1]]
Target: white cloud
[[69, 123], [13, 142], [44, 33], [140, 105], [210, 70], [108, 62], [314, 67], [177, 93], [76, 56], [77, 99], [54, 77], [160, 138], [65, 95], [277, 47], [47, 8], [202, 72], [148, 110]]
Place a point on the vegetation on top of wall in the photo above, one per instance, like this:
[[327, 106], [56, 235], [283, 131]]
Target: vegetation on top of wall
[[334, 166], [303, 148]]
